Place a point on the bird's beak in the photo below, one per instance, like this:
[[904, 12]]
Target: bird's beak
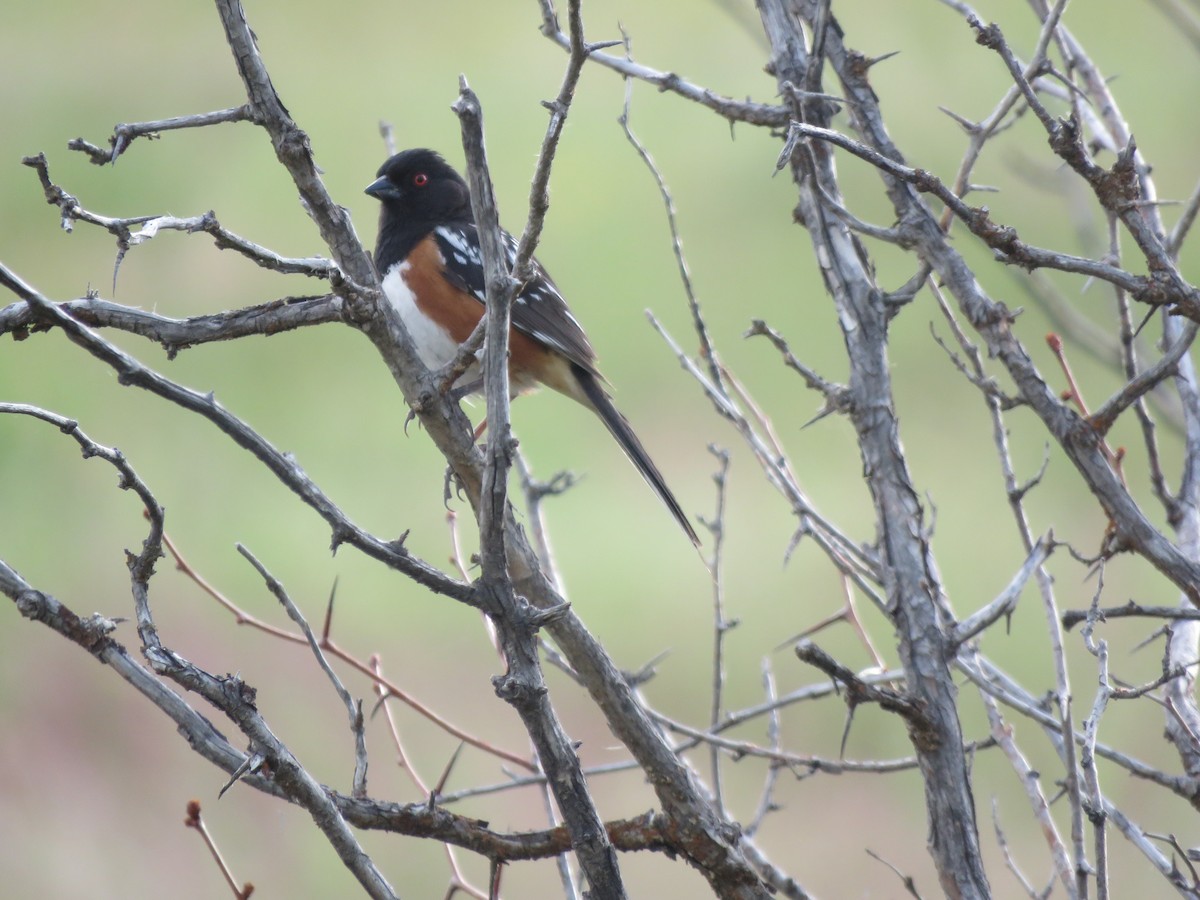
[[382, 189]]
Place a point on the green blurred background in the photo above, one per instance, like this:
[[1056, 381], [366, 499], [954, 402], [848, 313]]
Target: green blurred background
[[93, 781]]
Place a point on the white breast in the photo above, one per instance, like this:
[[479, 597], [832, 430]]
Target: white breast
[[434, 343]]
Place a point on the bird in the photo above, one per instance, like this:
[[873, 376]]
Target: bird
[[430, 265]]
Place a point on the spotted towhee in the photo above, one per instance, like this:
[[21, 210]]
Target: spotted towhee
[[429, 259]]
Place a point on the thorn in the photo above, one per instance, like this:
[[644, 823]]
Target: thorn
[[437, 789], [325, 629], [540, 617], [249, 766]]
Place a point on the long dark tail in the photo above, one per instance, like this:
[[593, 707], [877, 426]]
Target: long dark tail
[[618, 426]]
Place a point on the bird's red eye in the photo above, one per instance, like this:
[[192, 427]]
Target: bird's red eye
[[420, 179]]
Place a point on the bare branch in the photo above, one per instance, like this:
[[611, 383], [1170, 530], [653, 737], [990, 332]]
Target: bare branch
[[1006, 601], [1072, 617], [173, 334], [353, 708], [733, 110], [523, 686], [125, 134]]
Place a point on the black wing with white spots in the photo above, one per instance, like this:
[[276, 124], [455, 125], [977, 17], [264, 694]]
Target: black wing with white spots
[[538, 310]]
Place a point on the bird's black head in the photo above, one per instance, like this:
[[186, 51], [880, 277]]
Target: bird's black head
[[420, 185], [419, 191]]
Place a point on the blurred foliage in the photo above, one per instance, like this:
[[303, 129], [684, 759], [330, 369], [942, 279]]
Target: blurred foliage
[[98, 774]]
